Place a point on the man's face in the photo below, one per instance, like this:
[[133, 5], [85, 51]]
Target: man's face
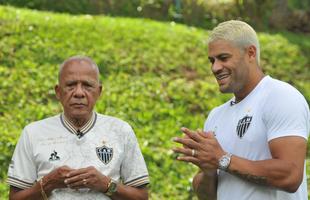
[[229, 66], [78, 89]]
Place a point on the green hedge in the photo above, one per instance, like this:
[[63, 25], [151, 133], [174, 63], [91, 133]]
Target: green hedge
[[155, 75]]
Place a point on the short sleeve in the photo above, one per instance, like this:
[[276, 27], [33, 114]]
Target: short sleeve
[[133, 169], [22, 170], [286, 114], [210, 120]]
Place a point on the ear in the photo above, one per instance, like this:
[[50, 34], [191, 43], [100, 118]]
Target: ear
[[57, 91], [100, 90], [251, 52]]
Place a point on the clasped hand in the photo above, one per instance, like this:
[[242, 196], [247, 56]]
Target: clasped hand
[[200, 148], [88, 177]]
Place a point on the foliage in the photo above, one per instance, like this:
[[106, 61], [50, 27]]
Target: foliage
[[286, 14], [155, 75]]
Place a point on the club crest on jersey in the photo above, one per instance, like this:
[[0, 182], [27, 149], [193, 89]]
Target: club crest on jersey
[[104, 153], [243, 125]]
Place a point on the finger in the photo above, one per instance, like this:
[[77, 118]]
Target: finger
[[76, 178], [202, 133], [197, 162], [184, 151], [189, 143], [185, 137], [210, 135], [65, 167], [79, 184], [77, 172], [192, 134], [190, 159]]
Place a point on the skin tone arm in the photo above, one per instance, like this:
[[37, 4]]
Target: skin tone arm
[[53, 180], [64, 177], [283, 171], [205, 185], [97, 181], [205, 181]]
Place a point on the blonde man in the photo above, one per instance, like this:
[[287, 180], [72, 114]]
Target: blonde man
[[253, 147]]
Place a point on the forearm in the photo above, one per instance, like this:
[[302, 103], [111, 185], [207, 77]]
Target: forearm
[[205, 185], [130, 193], [277, 173], [33, 193]]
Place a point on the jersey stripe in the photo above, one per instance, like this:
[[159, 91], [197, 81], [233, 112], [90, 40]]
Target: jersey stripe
[[18, 183], [82, 131], [142, 180]]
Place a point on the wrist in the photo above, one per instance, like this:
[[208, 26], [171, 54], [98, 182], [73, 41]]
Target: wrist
[[42, 189], [209, 172], [47, 185], [224, 161], [111, 187]]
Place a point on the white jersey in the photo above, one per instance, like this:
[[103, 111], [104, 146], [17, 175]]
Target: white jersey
[[110, 146], [273, 109]]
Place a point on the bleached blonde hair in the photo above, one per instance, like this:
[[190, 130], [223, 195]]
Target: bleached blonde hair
[[238, 32]]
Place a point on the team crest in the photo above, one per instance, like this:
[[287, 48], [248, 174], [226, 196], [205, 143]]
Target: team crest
[[105, 154], [243, 125]]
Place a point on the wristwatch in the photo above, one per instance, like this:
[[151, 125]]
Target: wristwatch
[[112, 188], [224, 161]]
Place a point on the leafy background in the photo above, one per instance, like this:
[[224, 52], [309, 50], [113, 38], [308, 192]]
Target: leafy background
[[155, 75]]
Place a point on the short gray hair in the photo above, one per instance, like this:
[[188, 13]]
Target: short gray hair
[[78, 58], [238, 32]]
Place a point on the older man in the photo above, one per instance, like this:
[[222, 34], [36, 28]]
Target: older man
[[253, 147], [78, 154]]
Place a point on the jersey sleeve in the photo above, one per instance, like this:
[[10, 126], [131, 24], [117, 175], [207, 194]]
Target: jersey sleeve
[[286, 114], [22, 170], [209, 121], [133, 169]]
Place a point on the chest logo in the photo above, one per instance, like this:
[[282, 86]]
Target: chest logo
[[54, 156], [243, 125], [105, 154]]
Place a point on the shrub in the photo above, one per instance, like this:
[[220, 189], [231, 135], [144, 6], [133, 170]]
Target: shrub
[[155, 75]]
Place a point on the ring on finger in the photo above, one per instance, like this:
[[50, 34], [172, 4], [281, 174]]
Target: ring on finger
[[84, 181], [193, 152]]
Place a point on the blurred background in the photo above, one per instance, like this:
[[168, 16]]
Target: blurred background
[[152, 56], [291, 15]]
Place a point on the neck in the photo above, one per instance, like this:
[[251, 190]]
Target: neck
[[79, 122], [249, 87]]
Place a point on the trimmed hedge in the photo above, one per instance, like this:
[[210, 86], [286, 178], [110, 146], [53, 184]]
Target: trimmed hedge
[[155, 75]]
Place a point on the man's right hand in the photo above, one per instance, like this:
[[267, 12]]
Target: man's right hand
[[55, 179]]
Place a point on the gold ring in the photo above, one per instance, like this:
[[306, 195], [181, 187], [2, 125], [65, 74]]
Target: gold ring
[[84, 181], [193, 152]]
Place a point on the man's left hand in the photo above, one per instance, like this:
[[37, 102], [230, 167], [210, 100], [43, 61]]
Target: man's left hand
[[202, 149], [88, 177]]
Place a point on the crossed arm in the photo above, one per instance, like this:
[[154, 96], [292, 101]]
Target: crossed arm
[[89, 177], [283, 171]]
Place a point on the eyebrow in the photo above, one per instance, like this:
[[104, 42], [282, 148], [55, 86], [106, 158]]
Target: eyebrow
[[220, 55], [83, 82]]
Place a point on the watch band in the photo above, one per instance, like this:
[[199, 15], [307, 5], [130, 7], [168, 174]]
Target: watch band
[[224, 161], [111, 188]]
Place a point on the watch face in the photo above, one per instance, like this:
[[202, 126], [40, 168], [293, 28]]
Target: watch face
[[113, 187], [224, 161]]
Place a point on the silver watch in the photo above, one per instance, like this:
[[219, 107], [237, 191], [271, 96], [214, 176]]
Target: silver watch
[[224, 161]]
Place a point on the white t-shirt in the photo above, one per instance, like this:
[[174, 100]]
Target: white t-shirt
[[109, 144], [273, 109]]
